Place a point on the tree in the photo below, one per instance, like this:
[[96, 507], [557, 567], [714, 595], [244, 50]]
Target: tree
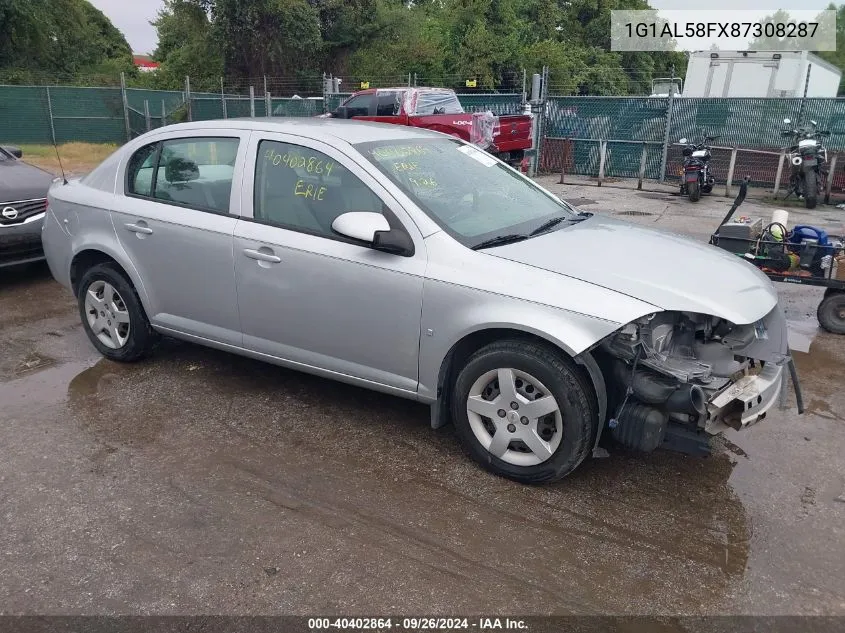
[[59, 37], [776, 43], [837, 57], [186, 47], [267, 37]]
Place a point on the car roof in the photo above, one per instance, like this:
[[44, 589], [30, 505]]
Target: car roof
[[325, 129]]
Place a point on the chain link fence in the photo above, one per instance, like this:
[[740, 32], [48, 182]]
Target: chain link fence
[[594, 136], [638, 137]]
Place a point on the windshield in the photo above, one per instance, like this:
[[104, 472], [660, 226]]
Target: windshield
[[466, 191]]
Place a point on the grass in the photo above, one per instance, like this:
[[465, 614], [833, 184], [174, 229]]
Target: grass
[[77, 158]]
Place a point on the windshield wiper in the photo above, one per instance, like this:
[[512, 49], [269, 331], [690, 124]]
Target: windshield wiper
[[500, 240], [545, 226]]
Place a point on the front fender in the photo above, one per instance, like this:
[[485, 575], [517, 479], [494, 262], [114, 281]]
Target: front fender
[[444, 326]]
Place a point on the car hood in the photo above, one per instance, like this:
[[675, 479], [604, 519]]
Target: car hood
[[660, 268], [20, 181]]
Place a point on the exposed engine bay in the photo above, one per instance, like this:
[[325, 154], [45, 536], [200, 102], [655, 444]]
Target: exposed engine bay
[[674, 378]]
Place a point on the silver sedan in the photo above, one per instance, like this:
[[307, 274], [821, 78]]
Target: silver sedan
[[413, 263]]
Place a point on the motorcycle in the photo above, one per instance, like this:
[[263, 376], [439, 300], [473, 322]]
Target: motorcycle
[[696, 178], [808, 158]]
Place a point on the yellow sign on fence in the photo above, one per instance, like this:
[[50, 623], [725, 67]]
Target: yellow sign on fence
[[365, 85], [472, 83]]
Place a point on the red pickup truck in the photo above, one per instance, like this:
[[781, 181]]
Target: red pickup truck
[[439, 109]]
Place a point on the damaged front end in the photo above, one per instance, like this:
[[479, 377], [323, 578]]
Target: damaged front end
[[674, 378]]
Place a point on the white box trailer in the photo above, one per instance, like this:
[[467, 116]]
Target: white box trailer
[[760, 74]]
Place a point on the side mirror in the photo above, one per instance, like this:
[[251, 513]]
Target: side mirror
[[374, 230], [340, 113], [360, 225], [683, 141], [787, 121], [14, 151]]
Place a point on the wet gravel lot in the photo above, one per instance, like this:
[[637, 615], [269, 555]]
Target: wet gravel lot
[[201, 482]]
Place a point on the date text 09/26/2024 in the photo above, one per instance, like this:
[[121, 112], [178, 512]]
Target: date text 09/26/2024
[[417, 624]]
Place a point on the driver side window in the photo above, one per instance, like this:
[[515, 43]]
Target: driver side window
[[302, 189], [359, 106]]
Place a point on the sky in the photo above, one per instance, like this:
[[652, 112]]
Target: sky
[[133, 17]]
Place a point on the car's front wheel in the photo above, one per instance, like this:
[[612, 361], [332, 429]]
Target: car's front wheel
[[113, 316], [523, 411]]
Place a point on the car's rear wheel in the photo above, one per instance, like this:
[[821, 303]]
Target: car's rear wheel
[[113, 316], [523, 411]]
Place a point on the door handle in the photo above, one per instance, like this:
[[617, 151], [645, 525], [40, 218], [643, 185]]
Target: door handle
[[137, 228], [261, 256]]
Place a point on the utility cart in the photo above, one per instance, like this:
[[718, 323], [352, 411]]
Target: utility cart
[[802, 255]]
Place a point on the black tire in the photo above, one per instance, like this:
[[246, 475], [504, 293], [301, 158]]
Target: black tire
[[141, 337], [811, 189], [693, 191], [831, 313], [572, 391]]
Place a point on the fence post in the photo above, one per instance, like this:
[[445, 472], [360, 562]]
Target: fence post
[[268, 104], [538, 109], [602, 157], [731, 166], [415, 79], [50, 113], [524, 94], [563, 159], [642, 167], [188, 101], [779, 172], [125, 106], [668, 130], [163, 113], [830, 174], [252, 101], [147, 115], [223, 99]]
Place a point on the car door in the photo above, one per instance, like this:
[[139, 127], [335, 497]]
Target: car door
[[310, 296], [175, 221]]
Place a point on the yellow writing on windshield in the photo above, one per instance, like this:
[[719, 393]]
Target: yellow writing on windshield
[[311, 164], [404, 166], [427, 183], [399, 151]]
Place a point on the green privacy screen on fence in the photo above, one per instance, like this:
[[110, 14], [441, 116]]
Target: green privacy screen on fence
[[573, 129], [97, 115]]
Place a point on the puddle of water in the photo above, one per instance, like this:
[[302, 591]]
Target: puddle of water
[[40, 388]]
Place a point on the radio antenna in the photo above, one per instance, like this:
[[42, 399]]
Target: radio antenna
[[61, 167]]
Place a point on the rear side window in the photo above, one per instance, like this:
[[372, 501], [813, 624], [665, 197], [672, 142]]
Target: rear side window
[[437, 102], [195, 173], [141, 168], [388, 103]]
